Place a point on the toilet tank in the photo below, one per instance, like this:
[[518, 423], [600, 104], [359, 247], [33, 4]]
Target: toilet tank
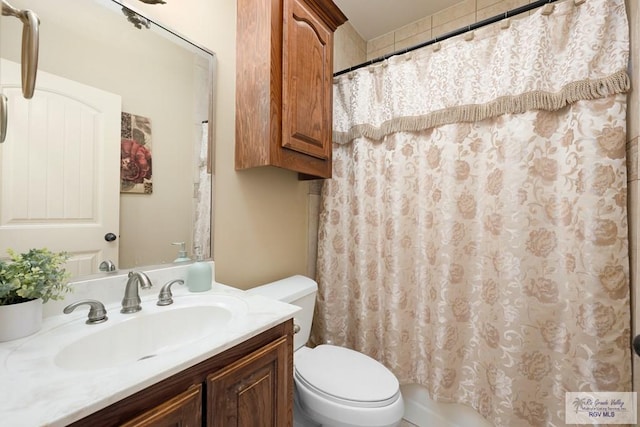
[[296, 290]]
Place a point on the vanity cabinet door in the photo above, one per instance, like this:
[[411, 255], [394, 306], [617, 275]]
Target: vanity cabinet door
[[255, 391], [184, 410]]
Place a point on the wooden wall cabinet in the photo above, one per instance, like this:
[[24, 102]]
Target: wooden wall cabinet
[[284, 79], [249, 385]]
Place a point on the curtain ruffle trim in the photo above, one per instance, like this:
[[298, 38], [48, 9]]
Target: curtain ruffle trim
[[536, 100]]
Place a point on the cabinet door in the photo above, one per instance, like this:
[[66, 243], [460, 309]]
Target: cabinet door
[[307, 81], [184, 410], [256, 391]]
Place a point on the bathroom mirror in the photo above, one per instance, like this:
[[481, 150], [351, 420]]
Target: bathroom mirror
[[162, 166]]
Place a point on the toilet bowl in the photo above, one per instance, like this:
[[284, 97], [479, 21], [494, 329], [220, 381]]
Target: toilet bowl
[[339, 387], [334, 386]]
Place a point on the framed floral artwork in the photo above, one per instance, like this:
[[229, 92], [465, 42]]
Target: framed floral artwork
[[135, 154]]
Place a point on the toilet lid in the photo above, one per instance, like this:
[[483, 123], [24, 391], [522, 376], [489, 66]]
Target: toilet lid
[[347, 375]]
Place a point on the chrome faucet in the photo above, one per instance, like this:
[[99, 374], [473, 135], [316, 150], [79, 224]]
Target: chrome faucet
[[131, 300]]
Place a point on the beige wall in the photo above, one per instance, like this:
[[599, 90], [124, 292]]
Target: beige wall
[[260, 214], [349, 48]]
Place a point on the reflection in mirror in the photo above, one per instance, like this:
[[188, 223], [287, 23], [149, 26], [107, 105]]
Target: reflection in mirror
[[74, 168]]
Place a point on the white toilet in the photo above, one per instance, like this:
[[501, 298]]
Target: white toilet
[[334, 386]]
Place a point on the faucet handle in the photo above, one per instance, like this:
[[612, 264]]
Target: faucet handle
[[97, 312], [165, 297]]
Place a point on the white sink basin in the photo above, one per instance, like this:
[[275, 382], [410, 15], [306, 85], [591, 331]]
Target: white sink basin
[[142, 337], [133, 338]]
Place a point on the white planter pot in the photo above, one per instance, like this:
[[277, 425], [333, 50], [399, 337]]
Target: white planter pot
[[20, 320]]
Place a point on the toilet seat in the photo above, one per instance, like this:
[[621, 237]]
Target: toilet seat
[[347, 377]]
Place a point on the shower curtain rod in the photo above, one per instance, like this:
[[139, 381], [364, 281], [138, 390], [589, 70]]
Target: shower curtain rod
[[475, 26]]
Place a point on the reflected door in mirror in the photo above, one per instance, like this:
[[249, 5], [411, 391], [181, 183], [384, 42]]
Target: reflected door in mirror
[[59, 170]]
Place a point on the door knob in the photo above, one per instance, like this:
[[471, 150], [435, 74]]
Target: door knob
[[110, 237], [636, 344]]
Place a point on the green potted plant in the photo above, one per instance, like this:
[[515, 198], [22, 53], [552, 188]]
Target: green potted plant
[[27, 280]]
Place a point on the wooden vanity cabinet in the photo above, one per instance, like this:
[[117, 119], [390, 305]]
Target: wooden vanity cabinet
[[284, 79], [184, 410], [250, 384], [254, 385]]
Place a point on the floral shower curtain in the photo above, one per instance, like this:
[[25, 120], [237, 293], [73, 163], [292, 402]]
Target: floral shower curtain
[[203, 185], [474, 234]]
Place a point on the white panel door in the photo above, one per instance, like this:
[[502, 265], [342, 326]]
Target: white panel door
[[59, 169]]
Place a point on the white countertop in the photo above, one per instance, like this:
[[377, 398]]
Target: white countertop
[[34, 391]]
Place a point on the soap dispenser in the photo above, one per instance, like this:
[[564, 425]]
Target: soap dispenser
[[199, 274], [182, 253]]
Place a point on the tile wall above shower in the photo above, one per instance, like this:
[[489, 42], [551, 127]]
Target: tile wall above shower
[[465, 13]]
